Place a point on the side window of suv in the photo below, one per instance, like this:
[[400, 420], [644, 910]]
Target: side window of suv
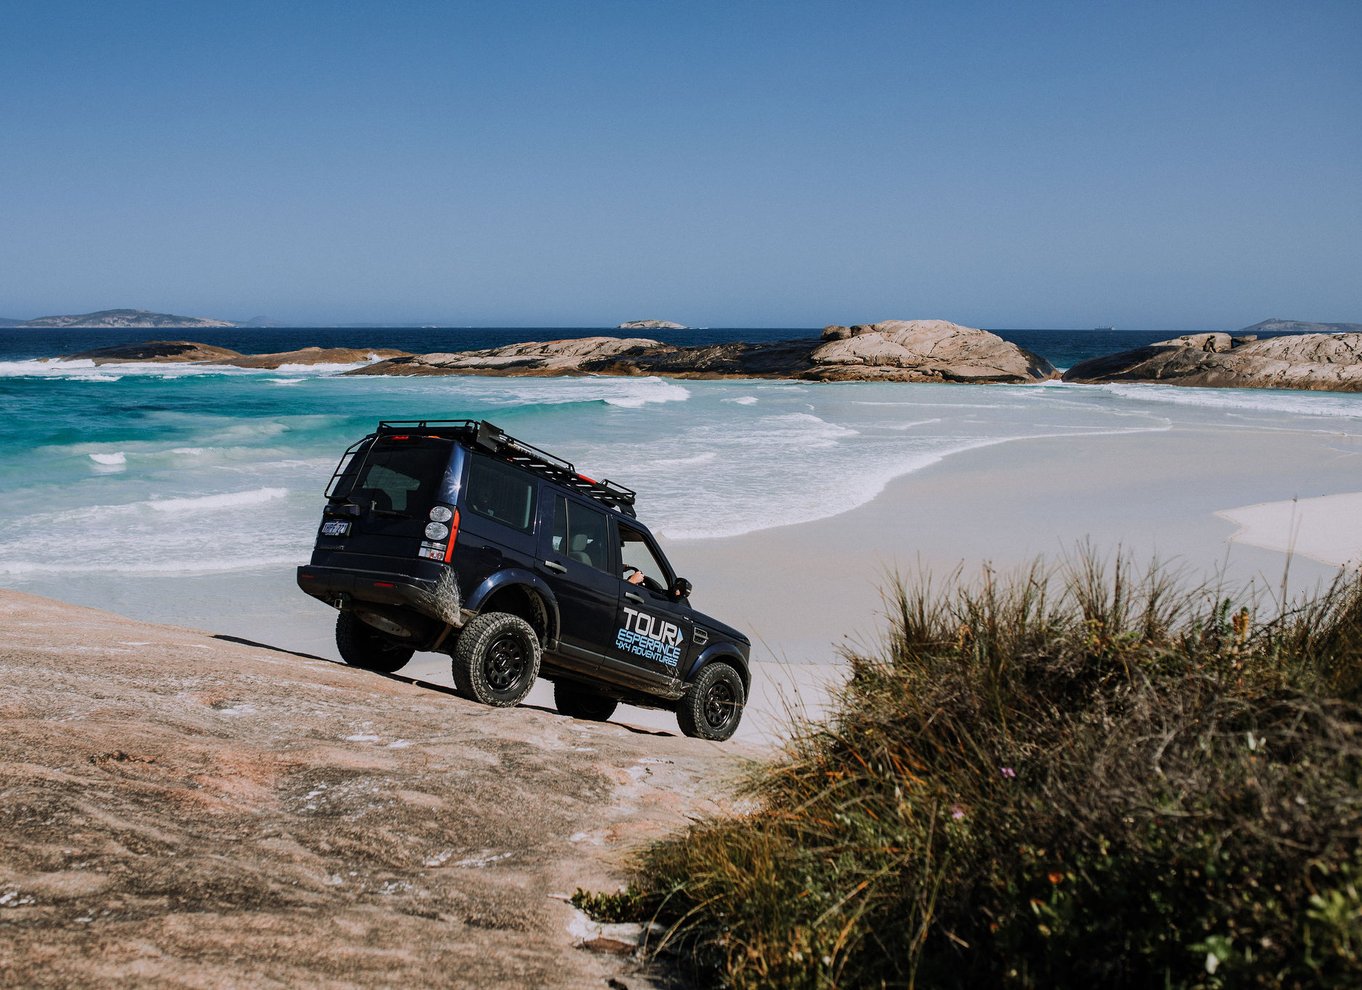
[[581, 533], [501, 492], [635, 553]]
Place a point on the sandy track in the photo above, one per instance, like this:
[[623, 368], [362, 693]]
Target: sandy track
[[181, 810]]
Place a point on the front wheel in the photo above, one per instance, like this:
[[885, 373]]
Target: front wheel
[[712, 708], [580, 701], [496, 659], [363, 646]]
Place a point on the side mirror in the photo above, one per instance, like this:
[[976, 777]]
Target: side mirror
[[680, 589]]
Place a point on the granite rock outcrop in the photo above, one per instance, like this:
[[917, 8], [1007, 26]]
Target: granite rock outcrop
[[1314, 361], [191, 352], [651, 325], [155, 352], [897, 350], [547, 357], [925, 350]]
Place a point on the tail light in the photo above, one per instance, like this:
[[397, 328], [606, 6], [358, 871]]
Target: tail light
[[440, 533], [453, 535]]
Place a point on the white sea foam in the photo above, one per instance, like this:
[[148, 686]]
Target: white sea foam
[[1241, 400], [284, 381], [204, 564], [209, 503], [624, 393], [319, 369], [743, 400], [118, 458], [87, 371]]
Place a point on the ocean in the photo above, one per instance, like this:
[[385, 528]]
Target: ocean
[[161, 490]]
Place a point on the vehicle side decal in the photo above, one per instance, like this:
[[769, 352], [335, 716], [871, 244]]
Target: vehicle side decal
[[650, 637]]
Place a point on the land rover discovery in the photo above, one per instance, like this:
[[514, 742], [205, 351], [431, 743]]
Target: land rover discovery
[[449, 536]]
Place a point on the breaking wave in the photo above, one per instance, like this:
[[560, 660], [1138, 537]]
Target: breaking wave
[[1241, 400], [207, 503]]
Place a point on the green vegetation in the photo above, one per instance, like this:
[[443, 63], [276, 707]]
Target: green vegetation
[[1080, 778]]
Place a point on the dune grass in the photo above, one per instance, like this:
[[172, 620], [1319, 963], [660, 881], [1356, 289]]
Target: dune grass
[[1078, 777]]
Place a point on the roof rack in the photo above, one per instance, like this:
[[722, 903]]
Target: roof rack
[[494, 440]]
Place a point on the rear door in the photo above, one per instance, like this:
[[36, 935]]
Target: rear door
[[394, 486], [577, 560], [498, 504]]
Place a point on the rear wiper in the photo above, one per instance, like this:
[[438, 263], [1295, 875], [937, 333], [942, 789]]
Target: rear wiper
[[391, 512], [341, 506]]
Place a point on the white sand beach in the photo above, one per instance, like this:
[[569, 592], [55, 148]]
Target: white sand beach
[[1326, 528]]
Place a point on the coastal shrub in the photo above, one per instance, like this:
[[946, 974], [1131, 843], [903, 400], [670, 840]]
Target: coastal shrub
[[1071, 778]]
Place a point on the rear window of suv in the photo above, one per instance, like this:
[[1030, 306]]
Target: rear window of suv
[[401, 476], [501, 492]]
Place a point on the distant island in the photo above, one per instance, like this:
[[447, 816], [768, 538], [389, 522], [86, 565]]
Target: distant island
[[117, 319], [651, 325], [1274, 324]]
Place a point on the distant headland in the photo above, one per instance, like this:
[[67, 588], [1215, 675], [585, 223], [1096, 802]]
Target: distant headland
[[117, 319]]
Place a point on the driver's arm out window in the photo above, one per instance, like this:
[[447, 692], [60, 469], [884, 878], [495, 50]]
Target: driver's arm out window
[[634, 552]]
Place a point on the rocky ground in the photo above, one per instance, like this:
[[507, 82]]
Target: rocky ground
[[181, 810]]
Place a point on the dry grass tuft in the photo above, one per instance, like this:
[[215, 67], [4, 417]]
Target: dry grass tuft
[[1074, 777]]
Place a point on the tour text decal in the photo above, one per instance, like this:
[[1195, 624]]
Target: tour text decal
[[649, 637]]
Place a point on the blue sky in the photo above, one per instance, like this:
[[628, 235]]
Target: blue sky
[[1146, 165]]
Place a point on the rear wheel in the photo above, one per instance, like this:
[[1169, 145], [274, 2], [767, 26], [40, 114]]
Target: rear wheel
[[496, 659], [712, 708], [363, 646], [580, 701]]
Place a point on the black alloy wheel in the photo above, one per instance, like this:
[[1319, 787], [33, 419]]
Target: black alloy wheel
[[496, 659], [505, 662], [712, 708]]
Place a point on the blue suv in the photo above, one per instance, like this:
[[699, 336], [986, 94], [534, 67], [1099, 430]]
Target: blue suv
[[449, 536]]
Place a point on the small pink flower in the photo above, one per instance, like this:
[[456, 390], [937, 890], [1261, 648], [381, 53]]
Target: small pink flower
[[957, 812], [1009, 773]]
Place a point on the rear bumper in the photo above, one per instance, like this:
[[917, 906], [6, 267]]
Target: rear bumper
[[339, 585]]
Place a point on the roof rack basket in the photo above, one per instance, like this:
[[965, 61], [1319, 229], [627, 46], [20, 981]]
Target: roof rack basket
[[494, 440]]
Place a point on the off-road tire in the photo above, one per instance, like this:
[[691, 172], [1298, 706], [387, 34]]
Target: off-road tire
[[579, 701], [363, 646], [496, 659], [712, 708]]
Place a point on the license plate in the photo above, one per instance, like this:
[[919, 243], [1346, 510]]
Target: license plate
[[336, 527]]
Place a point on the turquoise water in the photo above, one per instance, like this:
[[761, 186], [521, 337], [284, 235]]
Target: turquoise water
[[189, 476]]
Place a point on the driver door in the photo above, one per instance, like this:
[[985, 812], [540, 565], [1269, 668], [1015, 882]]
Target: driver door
[[655, 632]]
